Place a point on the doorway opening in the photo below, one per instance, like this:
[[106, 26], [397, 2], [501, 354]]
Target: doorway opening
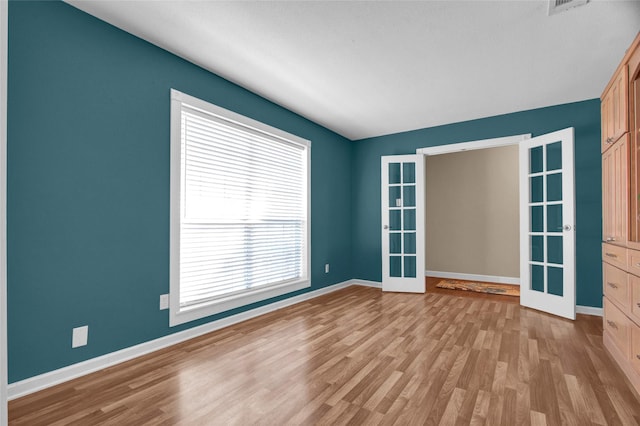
[[472, 217]]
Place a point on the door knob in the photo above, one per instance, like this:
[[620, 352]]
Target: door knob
[[567, 227], [386, 227]]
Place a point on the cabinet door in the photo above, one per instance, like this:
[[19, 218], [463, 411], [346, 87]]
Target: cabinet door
[[620, 179], [605, 111], [619, 116], [635, 348], [634, 291], [608, 203], [618, 326], [634, 145], [615, 193], [615, 117]]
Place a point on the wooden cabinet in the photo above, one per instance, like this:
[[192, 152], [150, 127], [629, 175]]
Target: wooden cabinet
[[620, 147], [615, 183], [615, 119]]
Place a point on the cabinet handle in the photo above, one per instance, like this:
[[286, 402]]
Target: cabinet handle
[[638, 356], [638, 304], [611, 255], [610, 239], [612, 324], [609, 140], [612, 285]]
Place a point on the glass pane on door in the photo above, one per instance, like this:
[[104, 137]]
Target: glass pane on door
[[395, 239], [537, 278], [537, 248], [395, 266], [554, 280], [410, 243], [554, 187], [554, 156], [394, 196], [394, 173]]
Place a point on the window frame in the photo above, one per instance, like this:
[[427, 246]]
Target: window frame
[[176, 315]]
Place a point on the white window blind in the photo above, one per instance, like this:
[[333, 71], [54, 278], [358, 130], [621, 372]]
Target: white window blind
[[243, 210]]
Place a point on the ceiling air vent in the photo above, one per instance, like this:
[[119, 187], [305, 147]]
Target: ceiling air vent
[[557, 6]]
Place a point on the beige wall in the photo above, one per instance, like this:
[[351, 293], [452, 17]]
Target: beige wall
[[472, 212]]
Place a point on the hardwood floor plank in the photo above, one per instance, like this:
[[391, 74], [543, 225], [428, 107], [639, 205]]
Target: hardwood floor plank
[[538, 419], [465, 411], [509, 409], [480, 409], [360, 356], [578, 403], [453, 407]]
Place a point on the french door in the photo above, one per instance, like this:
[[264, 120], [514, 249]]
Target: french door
[[547, 224], [403, 223]]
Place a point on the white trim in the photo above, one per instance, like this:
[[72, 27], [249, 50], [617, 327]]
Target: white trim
[[52, 378], [4, 15], [471, 145], [589, 310], [177, 316], [367, 283], [473, 277]]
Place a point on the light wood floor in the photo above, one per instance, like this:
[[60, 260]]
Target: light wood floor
[[358, 356]]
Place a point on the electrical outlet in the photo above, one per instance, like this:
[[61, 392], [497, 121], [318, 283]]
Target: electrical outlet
[[80, 336], [326, 268], [164, 302]]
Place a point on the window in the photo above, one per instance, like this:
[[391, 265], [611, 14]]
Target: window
[[239, 210]]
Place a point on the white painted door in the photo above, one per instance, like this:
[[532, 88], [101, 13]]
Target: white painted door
[[547, 224], [403, 225]]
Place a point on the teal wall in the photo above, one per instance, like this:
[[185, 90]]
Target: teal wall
[[88, 184], [583, 116]]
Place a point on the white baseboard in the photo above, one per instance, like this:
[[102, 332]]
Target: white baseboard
[[589, 310], [367, 283], [52, 378], [474, 277]]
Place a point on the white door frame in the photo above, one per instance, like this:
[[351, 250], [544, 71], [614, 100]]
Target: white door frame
[[4, 13], [473, 145]]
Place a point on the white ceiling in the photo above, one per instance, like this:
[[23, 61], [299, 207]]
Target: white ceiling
[[372, 68]]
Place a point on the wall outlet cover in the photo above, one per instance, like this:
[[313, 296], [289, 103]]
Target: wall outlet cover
[[164, 302], [80, 336]]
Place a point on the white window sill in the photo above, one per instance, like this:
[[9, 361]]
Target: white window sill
[[177, 316]]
